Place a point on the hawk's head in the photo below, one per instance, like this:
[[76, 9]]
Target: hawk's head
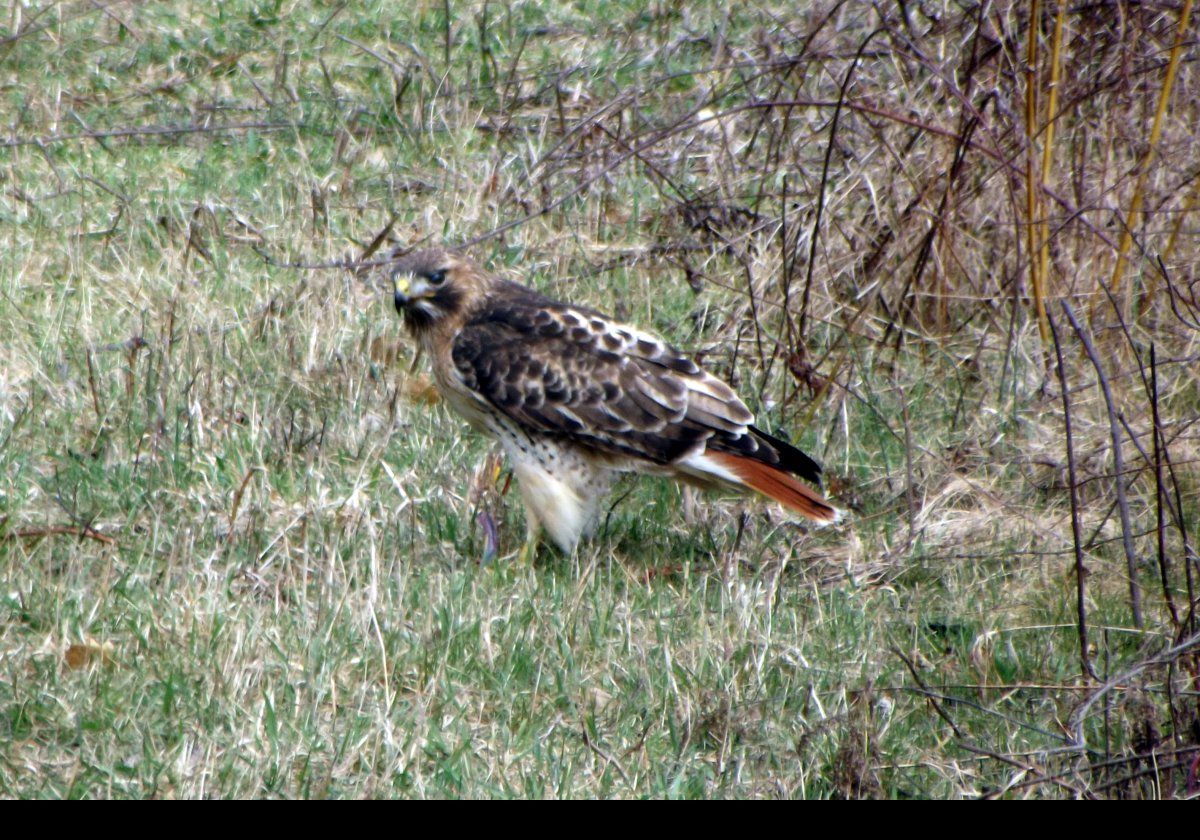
[[432, 285]]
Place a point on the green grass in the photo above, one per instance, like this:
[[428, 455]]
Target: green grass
[[240, 557]]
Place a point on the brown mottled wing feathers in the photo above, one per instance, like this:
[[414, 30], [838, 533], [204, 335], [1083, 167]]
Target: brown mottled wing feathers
[[544, 366], [571, 372]]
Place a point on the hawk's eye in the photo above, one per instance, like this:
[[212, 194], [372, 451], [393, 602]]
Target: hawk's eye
[[437, 277]]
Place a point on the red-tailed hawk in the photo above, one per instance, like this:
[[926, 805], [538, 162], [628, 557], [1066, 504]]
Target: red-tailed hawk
[[575, 397]]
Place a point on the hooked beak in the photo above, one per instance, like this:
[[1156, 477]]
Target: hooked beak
[[402, 285]]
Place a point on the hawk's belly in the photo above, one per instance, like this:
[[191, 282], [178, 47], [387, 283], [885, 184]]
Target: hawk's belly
[[562, 484]]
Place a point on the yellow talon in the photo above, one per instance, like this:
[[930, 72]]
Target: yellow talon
[[529, 549], [527, 553]]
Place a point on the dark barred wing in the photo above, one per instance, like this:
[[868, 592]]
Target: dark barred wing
[[576, 374]]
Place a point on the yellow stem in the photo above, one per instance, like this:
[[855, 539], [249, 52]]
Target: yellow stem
[[1032, 189], [1135, 205], [1048, 156]]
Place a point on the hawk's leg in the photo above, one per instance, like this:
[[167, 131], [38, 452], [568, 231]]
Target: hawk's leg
[[532, 529]]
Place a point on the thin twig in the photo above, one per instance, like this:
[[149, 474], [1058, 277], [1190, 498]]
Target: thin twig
[[1081, 572], [60, 530], [1162, 658], [1160, 492], [1114, 427]]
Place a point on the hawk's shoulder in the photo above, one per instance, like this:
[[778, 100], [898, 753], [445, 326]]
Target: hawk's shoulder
[[513, 311]]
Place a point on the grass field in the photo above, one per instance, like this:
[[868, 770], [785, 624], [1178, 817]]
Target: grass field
[[241, 550]]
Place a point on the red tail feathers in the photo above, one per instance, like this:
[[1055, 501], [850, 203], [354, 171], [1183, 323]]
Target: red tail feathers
[[778, 485]]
